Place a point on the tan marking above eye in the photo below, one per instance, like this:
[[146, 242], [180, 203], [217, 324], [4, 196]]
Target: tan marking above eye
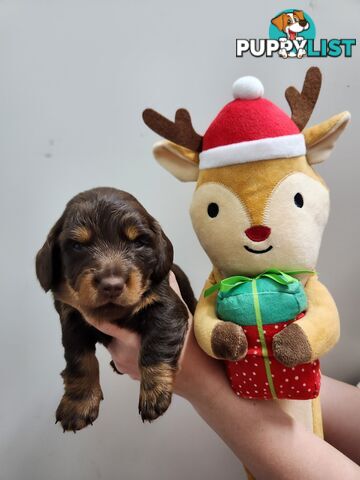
[[81, 234], [131, 232]]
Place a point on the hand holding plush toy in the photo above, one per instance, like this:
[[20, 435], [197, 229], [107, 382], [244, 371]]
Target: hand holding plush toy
[[259, 211]]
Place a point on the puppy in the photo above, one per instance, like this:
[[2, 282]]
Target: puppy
[[292, 24], [107, 259]]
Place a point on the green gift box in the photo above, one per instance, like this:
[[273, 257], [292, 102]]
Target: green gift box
[[279, 295]]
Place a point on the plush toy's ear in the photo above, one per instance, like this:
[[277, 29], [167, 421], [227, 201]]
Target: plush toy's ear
[[47, 258], [279, 21], [320, 139], [179, 154], [179, 161]]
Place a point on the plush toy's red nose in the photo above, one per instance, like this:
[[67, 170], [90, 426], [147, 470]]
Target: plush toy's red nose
[[258, 233]]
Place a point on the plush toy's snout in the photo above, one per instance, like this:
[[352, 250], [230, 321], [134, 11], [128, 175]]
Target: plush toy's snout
[[258, 233]]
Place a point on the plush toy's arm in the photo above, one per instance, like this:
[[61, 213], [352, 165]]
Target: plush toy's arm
[[313, 335], [321, 324], [219, 339], [205, 320]]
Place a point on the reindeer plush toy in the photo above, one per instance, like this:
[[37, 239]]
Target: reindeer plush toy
[[259, 211]]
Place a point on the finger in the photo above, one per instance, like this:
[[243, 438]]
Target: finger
[[174, 284], [128, 369], [123, 335], [115, 368], [123, 352], [115, 348], [125, 356]]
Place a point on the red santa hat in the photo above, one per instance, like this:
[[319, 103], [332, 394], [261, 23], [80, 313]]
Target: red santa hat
[[250, 128]]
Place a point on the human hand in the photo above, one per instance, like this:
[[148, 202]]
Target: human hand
[[202, 381], [199, 375]]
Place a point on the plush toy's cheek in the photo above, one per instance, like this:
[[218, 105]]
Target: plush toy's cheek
[[297, 212], [220, 220]]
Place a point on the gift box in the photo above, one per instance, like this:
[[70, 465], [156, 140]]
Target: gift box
[[264, 306]]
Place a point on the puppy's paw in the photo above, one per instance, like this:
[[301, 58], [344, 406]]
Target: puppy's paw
[[291, 346], [75, 414], [155, 391], [301, 53], [229, 342]]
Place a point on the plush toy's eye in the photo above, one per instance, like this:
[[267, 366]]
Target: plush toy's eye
[[299, 200], [213, 210]]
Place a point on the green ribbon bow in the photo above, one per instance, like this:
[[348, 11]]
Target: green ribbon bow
[[284, 278]]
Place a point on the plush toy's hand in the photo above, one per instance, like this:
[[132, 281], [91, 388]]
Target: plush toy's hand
[[291, 346], [228, 341]]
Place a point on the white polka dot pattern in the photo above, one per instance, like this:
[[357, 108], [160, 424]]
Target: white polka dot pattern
[[248, 376]]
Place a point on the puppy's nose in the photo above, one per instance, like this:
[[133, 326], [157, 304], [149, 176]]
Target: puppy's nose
[[303, 23], [111, 286], [258, 233]]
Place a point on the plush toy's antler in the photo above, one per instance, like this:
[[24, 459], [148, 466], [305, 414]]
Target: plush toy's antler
[[180, 132], [302, 104]]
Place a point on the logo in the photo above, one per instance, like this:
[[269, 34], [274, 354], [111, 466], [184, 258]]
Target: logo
[[292, 35]]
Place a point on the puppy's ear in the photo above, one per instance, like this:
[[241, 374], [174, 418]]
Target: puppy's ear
[[299, 14], [47, 257], [165, 254], [279, 21]]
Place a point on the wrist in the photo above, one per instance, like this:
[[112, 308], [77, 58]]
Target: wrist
[[203, 384], [200, 377]]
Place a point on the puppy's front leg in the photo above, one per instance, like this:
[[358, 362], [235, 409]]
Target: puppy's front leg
[[162, 342], [79, 405]]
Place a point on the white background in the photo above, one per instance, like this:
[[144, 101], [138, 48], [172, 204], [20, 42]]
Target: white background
[[75, 76]]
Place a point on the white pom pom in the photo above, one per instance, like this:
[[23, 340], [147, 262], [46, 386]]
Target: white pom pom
[[248, 88]]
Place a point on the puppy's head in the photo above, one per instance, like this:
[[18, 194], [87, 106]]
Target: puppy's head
[[291, 23], [103, 254]]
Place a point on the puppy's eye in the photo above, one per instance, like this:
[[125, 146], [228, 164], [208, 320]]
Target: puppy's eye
[[141, 241], [78, 247], [213, 210], [299, 200], [289, 21]]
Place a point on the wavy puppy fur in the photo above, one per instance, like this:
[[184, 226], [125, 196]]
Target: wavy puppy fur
[[107, 259]]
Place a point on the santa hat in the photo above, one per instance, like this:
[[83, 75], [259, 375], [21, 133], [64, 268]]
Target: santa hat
[[250, 128]]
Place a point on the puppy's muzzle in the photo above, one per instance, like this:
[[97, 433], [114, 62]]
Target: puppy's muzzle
[[110, 283], [111, 287]]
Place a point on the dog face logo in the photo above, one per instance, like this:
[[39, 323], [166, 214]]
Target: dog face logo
[[292, 28], [291, 23], [292, 35]]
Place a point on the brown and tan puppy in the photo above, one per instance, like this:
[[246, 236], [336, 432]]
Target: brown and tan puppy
[[107, 259]]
